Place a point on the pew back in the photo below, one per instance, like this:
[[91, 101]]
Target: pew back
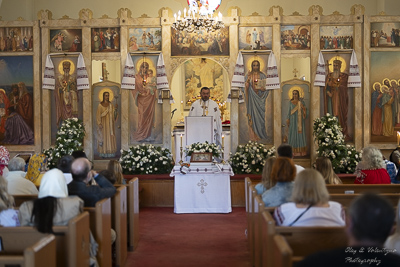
[[19, 199], [282, 252], [119, 224], [346, 199], [362, 188], [41, 253], [133, 213], [100, 225]]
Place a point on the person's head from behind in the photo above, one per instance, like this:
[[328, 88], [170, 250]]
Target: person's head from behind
[[115, 167], [283, 170], [52, 187], [64, 163], [372, 158], [16, 164], [266, 173], [80, 169], [310, 188], [285, 150], [6, 200], [109, 175], [369, 220], [79, 154], [324, 166]]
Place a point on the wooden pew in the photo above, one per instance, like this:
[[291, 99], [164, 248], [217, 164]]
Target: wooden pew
[[346, 199], [282, 252], [251, 218], [100, 225], [259, 207], [72, 240], [119, 224], [302, 240], [362, 188], [28, 248], [19, 199], [133, 213]]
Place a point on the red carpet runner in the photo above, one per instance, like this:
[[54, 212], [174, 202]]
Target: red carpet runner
[[191, 240]]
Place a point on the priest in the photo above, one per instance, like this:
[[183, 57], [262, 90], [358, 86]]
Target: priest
[[207, 107]]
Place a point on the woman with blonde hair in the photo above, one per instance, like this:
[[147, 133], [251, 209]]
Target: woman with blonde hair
[[310, 204], [266, 181], [324, 166], [8, 215], [115, 167], [283, 173]]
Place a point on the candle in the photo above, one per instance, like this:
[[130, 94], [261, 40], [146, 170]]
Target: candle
[[223, 140], [398, 138], [181, 140]]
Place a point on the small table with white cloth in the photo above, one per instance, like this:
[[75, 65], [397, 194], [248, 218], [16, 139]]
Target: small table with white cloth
[[205, 188]]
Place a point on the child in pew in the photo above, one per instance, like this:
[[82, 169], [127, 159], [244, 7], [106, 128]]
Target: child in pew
[[324, 166], [283, 174], [311, 205], [266, 181], [115, 167], [8, 215]]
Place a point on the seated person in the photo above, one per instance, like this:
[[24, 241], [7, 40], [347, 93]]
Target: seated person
[[36, 168], [4, 158], [64, 165], [311, 205], [8, 215], [283, 173], [266, 181], [109, 175], [324, 166], [286, 150], [116, 168], [82, 175], [371, 169], [17, 184], [393, 241], [369, 222], [53, 206]]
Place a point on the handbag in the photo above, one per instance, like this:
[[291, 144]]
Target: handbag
[[300, 215]]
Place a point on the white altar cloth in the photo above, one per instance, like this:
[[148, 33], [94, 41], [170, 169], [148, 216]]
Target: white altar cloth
[[205, 188]]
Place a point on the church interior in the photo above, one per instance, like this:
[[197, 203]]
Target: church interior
[[130, 73]]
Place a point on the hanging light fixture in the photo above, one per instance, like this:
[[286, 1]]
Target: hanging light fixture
[[199, 17]]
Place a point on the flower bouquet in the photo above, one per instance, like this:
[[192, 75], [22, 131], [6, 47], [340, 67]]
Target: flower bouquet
[[328, 135], [205, 147], [68, 139], [146, 159], [250, 158]]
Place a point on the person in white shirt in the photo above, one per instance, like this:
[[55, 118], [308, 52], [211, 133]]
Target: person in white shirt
[[17, 184], [285, 150], [207, 107]]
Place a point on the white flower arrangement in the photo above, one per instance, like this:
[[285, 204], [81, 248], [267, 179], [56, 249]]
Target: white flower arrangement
[[146, 159], [330, 140], [203, 148], [250, 158], [68, 139]]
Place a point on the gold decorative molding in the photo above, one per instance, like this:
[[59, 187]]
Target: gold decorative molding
[[175, 63], [144, 16], [296, 14], [20, 19], [45, 15], [124, 13], [271, 11], [223, 61], [85, 14], [382, 13], [170, 12], [65, 17], [336, 13], [105, 16], [255, 14], [357, 9], [315, 10], [238, 10]]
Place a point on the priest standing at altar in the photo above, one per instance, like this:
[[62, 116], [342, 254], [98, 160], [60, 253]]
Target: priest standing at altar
[[207, 107]]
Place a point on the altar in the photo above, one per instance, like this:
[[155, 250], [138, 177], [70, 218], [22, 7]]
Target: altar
[[205, 188]]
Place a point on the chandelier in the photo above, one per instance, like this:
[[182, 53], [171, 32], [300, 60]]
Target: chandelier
[[199, 17]]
